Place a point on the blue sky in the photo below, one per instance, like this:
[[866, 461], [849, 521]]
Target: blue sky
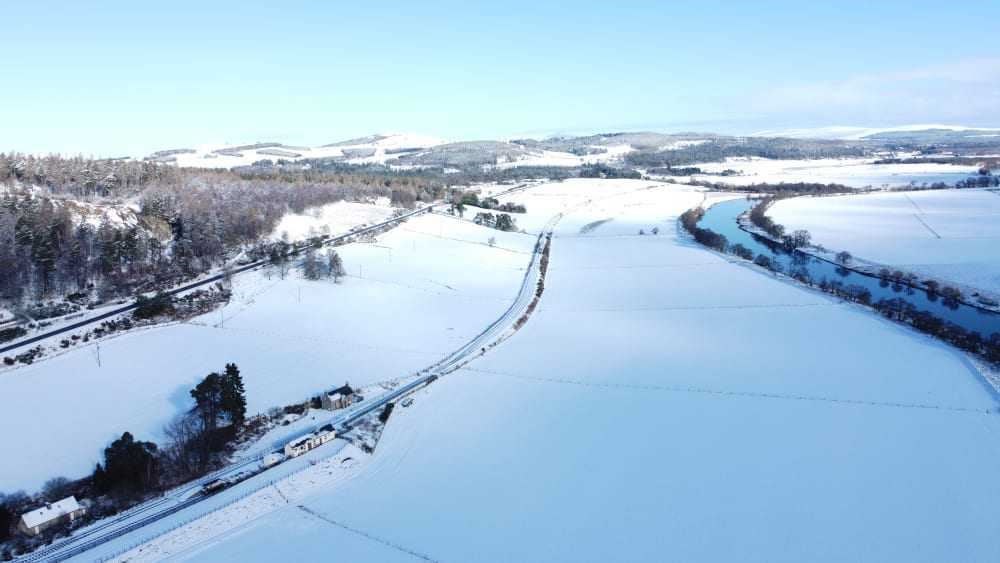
[[111, 78]]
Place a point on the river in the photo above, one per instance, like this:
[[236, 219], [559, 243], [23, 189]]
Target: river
[[722, 218]]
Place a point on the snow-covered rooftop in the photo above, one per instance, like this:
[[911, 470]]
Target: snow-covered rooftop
[[50, 512]]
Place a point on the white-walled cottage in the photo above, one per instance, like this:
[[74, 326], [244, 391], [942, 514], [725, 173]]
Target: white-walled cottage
[[40, 519]]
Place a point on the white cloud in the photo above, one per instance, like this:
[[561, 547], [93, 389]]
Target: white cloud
[[966, 91]]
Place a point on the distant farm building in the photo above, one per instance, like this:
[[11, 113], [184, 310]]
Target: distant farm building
[[302, 445], [339, 398], [40, 519]]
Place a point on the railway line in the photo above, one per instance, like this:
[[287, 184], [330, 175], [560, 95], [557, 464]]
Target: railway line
[[191, 494]]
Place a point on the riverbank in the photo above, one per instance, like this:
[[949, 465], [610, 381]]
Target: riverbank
[[970, 329]]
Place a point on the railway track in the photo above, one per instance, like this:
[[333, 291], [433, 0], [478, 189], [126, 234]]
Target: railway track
[[207, 281], [189, 494]]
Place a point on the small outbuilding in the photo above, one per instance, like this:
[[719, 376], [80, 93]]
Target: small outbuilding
[[36, 521]]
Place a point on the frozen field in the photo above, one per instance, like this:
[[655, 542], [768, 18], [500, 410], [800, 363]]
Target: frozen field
[[332, 218], [368, 150], [951, 235], [421, 291], [851, 172], [663, 404]]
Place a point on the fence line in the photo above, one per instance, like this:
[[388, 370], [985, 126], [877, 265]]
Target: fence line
[[185, 522]]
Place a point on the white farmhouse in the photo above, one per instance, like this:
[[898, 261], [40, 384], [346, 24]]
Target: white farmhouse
[[302, 445], [40, 519]]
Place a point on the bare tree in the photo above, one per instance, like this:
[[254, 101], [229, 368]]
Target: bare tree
[[182, 452]]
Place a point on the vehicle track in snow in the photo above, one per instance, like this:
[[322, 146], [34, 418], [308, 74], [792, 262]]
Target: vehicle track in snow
[[731, 393]]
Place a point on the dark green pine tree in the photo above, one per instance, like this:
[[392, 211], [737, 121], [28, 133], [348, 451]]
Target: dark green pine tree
[[233, 399], [208, 398], [129, 464]]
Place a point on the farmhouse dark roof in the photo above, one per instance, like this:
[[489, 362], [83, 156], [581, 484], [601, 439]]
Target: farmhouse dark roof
[[343, 390]]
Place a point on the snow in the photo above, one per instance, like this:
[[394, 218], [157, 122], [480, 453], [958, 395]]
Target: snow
[[205, 156], [950, 235], [51, 511], [94, 214], [384, 148], [421, 291], [565, 159], [847, 132], [332, 218], [663, 402], [851, 172]]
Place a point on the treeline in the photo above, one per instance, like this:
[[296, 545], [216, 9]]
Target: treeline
[[45, 250], [980, 181], [600, 170], [84, 177], [717, 150], [985, 163], [901, 310], [426, 183], [499, 221], [491, 203], [187, 221], [683, 171], [799, 238], [689, 220], [404, 187], [784, 189], [508, 207]]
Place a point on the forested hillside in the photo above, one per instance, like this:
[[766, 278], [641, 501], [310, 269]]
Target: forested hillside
[[96, 229]]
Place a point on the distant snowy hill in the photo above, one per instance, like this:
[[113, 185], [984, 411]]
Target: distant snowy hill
[[411, 151], [860, 133], [365, 150], [405, 150]]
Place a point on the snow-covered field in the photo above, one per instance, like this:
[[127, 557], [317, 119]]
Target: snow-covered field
[[663, 403], [332, 218], [374, 149], [556, 158], [851, 172], [421, 291], [951, 235], [385, 149]]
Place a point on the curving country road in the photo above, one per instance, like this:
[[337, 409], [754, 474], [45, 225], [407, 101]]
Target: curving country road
[[189, 494]]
